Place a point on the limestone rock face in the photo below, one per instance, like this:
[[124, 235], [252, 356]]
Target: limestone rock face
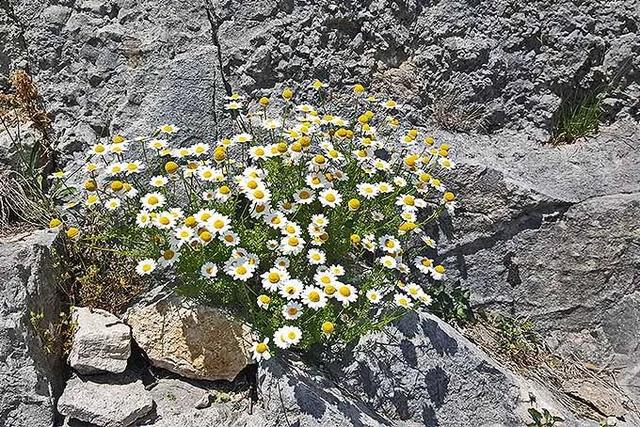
[[191, 340], [31, 371], [101, 342], [105, 401]]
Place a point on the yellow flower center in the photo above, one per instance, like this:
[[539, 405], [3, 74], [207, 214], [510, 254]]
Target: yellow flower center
[[265, 299], [274, 277], [345, 291], [261, 348], [314, 296], [328, 327]]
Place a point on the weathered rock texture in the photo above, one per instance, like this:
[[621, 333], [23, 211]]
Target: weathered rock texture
[[176, 404], [101, 342], [548, 232], [191, 340], [105, 401], [30, 367]]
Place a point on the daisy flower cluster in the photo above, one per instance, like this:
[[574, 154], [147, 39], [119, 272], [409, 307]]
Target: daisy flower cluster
[[310, 224]]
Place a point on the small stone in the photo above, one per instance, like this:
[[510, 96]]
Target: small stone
[[109, 402], [101, 343], [192, 340], [204, 402]]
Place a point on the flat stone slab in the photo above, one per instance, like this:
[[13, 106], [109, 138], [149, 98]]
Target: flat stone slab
[[107, 401], [101, 343]]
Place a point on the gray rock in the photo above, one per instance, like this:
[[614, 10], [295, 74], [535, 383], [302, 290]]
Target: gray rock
[[101, 342], [31, 368], [176, 405], [107, 67], [293, 393], [423, 371], [105, 401], [568, 266]]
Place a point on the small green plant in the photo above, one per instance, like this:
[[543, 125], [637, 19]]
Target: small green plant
[[577, 118], [53, 336], [516, 337], [25, 195], [452, 306], [542, 419]]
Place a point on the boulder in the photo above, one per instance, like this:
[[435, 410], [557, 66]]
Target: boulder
[[177, 404], [294, 393], [420, 370], [105, 401], [31, 367], [101, 342], [192, 340]]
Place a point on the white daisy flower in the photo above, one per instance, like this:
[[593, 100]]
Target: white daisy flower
[[304, 196], [291, 289], [146, 266], [157, 144], [314, 298], [112, 204], [438, 272], [330, 198], [143, 219], [389, 244], [134, 167], [402, 300], [388, 262], [291, 245], [242, 138], [239, 269], [274, 278], [260, 350], [230, 238], [168, 257], [152, 201], [287, 336], [99, 149], [209, 270], [168, 128], [374, 296], [263, 301], [164, 220], [158, 181], [423, 264], [368, 191], [316, 257], [200, 149], [446, 163], [346, 294], [292, 311], [116, 168]]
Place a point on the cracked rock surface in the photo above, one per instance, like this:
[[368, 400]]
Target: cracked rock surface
[[101, 342], [545, 232]]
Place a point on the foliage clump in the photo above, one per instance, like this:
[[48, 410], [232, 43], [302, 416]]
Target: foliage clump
[[310, 225]]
